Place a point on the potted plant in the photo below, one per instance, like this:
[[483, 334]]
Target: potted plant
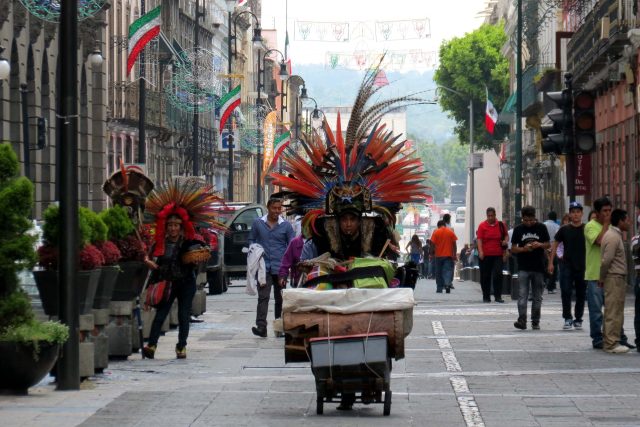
[[111, 255], [28, 348], [90, 259], [544, 79], [122, 233]]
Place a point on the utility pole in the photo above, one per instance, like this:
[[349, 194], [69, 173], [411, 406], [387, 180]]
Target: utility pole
[[142, 112], [472, 194], [518, 168]]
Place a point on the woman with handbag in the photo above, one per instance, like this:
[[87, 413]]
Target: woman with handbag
[[176, 253]]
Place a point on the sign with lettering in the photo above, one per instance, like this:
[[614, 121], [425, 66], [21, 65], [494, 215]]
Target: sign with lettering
[[582, 174]]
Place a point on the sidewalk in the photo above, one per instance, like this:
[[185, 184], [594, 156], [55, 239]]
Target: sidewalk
[[465, 365]]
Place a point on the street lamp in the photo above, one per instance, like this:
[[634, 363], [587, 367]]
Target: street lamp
[[471, 215], [315, 106], [232, 52], [284, 75], [5, 67], [95, 57]]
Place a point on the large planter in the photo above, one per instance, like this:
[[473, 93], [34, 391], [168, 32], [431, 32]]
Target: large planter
[[106, 284], [47, 282], [130, 281], [19, 370]]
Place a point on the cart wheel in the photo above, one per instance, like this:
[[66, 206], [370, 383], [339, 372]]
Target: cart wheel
[[319, 405], [387, 403]]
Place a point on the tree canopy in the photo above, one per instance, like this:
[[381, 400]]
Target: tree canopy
[[446, 164], [469, 64]]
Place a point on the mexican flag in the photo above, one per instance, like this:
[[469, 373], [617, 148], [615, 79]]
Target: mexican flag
[[490, 115], [227, 104], [280, 144], [141, 32]]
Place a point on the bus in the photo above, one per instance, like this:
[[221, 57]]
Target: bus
[[458, 194]]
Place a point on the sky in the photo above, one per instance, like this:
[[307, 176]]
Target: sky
[[446, 19]]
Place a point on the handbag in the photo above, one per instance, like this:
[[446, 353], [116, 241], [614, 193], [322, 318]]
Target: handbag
[[158, 293]]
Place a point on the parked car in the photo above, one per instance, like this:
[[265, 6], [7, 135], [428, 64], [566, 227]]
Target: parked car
[[228, 261]]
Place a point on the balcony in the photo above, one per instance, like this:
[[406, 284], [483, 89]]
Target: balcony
[[602, 35]]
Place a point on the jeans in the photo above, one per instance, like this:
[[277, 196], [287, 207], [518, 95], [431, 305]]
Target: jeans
[[263, 300], [595, 300], [571, 279], [636, 317], [491, 272], [183, 290], [537, 285], [444, 273]]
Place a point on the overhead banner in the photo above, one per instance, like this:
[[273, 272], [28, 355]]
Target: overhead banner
[[269, 131]]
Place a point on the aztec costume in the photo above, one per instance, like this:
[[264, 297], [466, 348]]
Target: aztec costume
[[367, 173], [190, 204], [129, 188]]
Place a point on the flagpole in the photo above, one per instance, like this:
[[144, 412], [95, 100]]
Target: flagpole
[[472, 199], [142, 108]]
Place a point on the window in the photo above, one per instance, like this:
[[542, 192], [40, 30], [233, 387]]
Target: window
[[245, 219]]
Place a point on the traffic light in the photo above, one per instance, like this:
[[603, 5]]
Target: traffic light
[[557, 129], [585, 122], [42, 133]]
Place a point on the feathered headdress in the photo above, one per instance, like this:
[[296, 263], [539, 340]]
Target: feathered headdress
[[367, 168], [192, 201], [129, 187]]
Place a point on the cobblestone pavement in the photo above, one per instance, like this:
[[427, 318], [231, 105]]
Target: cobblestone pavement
[[465, 365]]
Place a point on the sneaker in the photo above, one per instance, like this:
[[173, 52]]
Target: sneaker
[[627, 344], [567, 324], [598, 345], [501, 301], [535, 325], [551, 291], [618, 349], [520, 324], [149, 351], [181, 353], [261, 332], [577, 324]]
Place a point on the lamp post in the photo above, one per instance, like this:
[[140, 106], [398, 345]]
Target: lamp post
[[304, 97], [25, 131], [505, 181], [518, 147], [231, 53], [5, 67], [284, 74], [142, 99], [471, 215], [196, 117]]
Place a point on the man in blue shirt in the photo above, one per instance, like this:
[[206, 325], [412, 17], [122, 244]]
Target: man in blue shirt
[[273, 233]]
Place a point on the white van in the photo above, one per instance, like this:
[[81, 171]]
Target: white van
[[460, 214]]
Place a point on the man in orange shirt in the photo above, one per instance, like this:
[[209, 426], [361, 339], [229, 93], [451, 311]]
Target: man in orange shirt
[[446, 250]]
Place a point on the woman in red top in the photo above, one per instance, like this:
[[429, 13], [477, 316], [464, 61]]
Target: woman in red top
[[492, 246]]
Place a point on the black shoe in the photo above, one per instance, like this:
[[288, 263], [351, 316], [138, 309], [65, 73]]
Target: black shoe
[[261, 332], [439, 292], [535, 325], [501, 301], [448, 289], [598, 345], [627, 344], [451, 287], [486, 300], [520, 324]]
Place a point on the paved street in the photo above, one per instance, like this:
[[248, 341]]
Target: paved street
[[465, 365]]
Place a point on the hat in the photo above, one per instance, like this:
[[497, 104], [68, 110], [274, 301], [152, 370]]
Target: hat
[[575, 205]]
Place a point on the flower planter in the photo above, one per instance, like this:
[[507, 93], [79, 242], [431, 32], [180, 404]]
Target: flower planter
[[106, 285], [19, 370], [130, 281], [47, 282]]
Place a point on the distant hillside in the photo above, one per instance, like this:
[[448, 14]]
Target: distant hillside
[[338, 87]]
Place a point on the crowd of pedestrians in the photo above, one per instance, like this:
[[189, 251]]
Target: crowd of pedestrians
[[589, 261]]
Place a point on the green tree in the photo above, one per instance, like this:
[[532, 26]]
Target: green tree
[[469, 64]]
